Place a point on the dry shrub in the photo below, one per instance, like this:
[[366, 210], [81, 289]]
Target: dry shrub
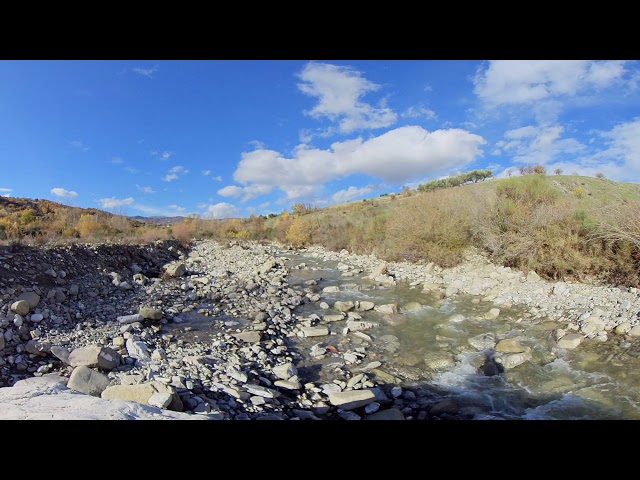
[[88, 226], [434, 226], [183, 232], [298, 233], [151, 234]]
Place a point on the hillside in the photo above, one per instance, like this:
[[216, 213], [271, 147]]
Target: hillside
[[560, 226]]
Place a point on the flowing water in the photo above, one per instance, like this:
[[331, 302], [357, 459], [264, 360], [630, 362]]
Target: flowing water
[[428, 346]]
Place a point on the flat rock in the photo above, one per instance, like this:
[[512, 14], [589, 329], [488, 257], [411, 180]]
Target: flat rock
[[248, 337], [87, 356], [285, 371], [510, 345], [314, 331], [365, 305], [61, 353], [343, 306], [570, 341], [388, 308], [141, 393], [54, 401], [176, 269], [351, 399], [137, 349]]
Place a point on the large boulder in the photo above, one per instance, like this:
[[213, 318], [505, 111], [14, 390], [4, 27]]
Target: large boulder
[[142, 393], [351, 399], [150, 313], [176, 269], [21, 307], [32, 298], [88, 381]]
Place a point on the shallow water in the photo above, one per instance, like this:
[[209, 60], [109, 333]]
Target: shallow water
[[598, 380]]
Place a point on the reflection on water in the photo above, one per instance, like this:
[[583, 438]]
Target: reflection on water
[[441, 344]]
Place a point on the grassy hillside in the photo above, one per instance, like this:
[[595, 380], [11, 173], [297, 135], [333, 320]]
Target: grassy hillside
[[561, 226]]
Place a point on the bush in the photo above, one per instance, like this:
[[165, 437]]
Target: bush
[[298, 233], [183, 232]]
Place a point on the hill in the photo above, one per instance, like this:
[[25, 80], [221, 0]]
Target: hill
[[560, 226]]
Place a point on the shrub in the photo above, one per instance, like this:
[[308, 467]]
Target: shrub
[[579, 191], [558, 171], [183, 232], [298, 233], [600, 175], [87, 225]]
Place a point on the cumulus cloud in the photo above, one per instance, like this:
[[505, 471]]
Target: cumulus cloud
[[538, 144], [61, 192], [79, 145], [6, 189], [148, 72], [165, 155], [206, 173], [145, 189], [395, 156], [174, 173], [113, 202], [349, 194], [527, 81], [247, 193], [339, 90], [217, 179], [222, 210], [5, 192]]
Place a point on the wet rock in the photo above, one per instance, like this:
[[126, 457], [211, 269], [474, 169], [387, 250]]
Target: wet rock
[[332, 318], [439, 361], [331, 289], [388, 308], [457, 318], [364, 306], [412, 306], [88, 381], [343, 306], [484, 341], [510, 345], [446, 406], [512, 360], [570, 341]]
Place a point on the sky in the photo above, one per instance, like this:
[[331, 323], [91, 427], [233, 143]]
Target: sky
[[232, 138]]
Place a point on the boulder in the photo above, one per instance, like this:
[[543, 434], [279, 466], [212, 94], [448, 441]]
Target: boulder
[[510, 345], [176, 269], [142, 393], [31, 298], [21, 307], [570, 341], [351, 399], [389, 414], [88, 381], [150, 313]]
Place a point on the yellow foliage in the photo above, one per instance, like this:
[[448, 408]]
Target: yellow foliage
[[87, 225], [298, 233], [579, 191]]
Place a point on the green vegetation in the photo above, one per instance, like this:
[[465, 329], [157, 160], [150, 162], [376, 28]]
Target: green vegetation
[[455, 181], [561, 226]]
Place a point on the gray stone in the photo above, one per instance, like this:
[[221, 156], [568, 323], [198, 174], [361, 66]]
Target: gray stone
[[381, 269], [38, 348], [87, 356], [451, 291], [333, 318], [389, 414], [248, 337], [285, 371], [439, 360], [137, 350], [61, 353], [176, 269], [2, 343], [448, 405], [287, 385], [532, 276], [484, 341], [266, 266], [350, 399], [88, 381], [31, 298], [412, 306], [355, 326], [493, 313], [108, 359], [36, 317], [21, 307], [126, 319], [635, 331], [261, 391], [150, 313], [623, 328], [332, 289], [314, 331], [570, 341], [457, 318]]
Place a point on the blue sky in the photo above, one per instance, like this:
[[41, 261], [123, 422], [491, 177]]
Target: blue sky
[[228, 138]]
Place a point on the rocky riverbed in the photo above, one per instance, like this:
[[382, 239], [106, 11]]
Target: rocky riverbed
[[219, 332]]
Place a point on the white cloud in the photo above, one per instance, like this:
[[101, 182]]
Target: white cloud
[[117, 160], [419, 111], [349, 194], [206, 173], [145, 189], [539, 144], [146, 72], [175, 172], [6, 189], [113, 202], [79, 145], [527, 81], [61, 192], [257, 144], [165, 155], [130, 170], [177, 208], [222, 210], [338, 90], [217, 179], [395, 156], [247, 193]]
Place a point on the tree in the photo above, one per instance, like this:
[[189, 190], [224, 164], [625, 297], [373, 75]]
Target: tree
[[558, 171], [600, 175]]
